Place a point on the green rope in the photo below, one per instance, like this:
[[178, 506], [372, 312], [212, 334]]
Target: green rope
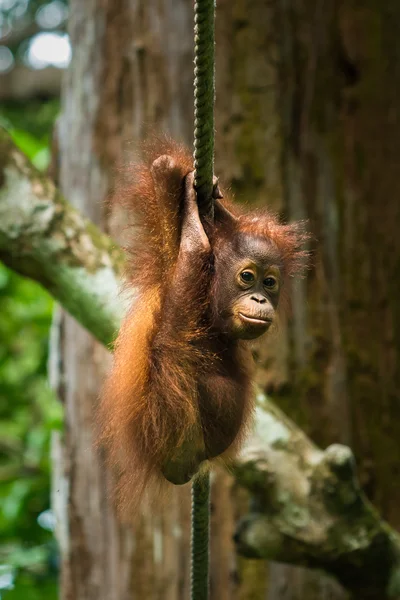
[[204, 92], [200, 537], [204, 86]]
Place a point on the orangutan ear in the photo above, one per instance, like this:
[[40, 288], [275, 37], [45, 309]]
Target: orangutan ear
[[223, 215]]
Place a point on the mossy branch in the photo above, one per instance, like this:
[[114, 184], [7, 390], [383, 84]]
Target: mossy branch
[[307, 506], [308, 509], [45, 238]]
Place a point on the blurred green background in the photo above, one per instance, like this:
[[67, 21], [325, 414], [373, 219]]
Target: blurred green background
[[30, 32]]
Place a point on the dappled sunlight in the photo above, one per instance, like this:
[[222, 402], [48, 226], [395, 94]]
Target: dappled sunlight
[[49, 49]]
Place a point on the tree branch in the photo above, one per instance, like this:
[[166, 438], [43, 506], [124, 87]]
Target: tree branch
[[307, 507], [45, 238]]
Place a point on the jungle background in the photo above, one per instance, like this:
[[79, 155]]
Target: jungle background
[[29, 104], [307, 121]]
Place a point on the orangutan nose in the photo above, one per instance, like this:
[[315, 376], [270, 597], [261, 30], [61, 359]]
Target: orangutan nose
[[258, 298]]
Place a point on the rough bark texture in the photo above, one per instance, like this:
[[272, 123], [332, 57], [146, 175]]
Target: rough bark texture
[[309, 509], [339, 82], [307, 118]]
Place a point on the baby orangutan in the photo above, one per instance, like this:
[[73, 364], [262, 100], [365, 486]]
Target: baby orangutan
[[180, 391]]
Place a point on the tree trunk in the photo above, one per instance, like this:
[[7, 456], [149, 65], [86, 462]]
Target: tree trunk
[[339, 79], [306, 121]]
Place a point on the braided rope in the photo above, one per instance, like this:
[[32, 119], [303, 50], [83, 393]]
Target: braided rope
[[204, 92], [204, 86], [200, 537]]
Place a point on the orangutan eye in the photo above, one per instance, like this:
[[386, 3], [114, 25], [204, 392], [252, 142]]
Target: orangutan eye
[[270, 283], [247, 276]]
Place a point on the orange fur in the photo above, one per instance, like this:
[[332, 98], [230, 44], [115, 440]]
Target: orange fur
[[173, 391]]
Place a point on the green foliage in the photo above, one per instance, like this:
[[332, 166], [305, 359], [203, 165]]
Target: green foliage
[[36, 149], [29, 126], [34, 117], [44, 589], [28, 414], [28, 409]]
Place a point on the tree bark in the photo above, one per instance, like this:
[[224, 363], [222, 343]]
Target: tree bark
[[338, 87]]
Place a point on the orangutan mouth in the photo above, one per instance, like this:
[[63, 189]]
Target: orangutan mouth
[[255, 320]]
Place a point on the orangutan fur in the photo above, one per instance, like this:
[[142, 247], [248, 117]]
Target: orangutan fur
[[179, 393]]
